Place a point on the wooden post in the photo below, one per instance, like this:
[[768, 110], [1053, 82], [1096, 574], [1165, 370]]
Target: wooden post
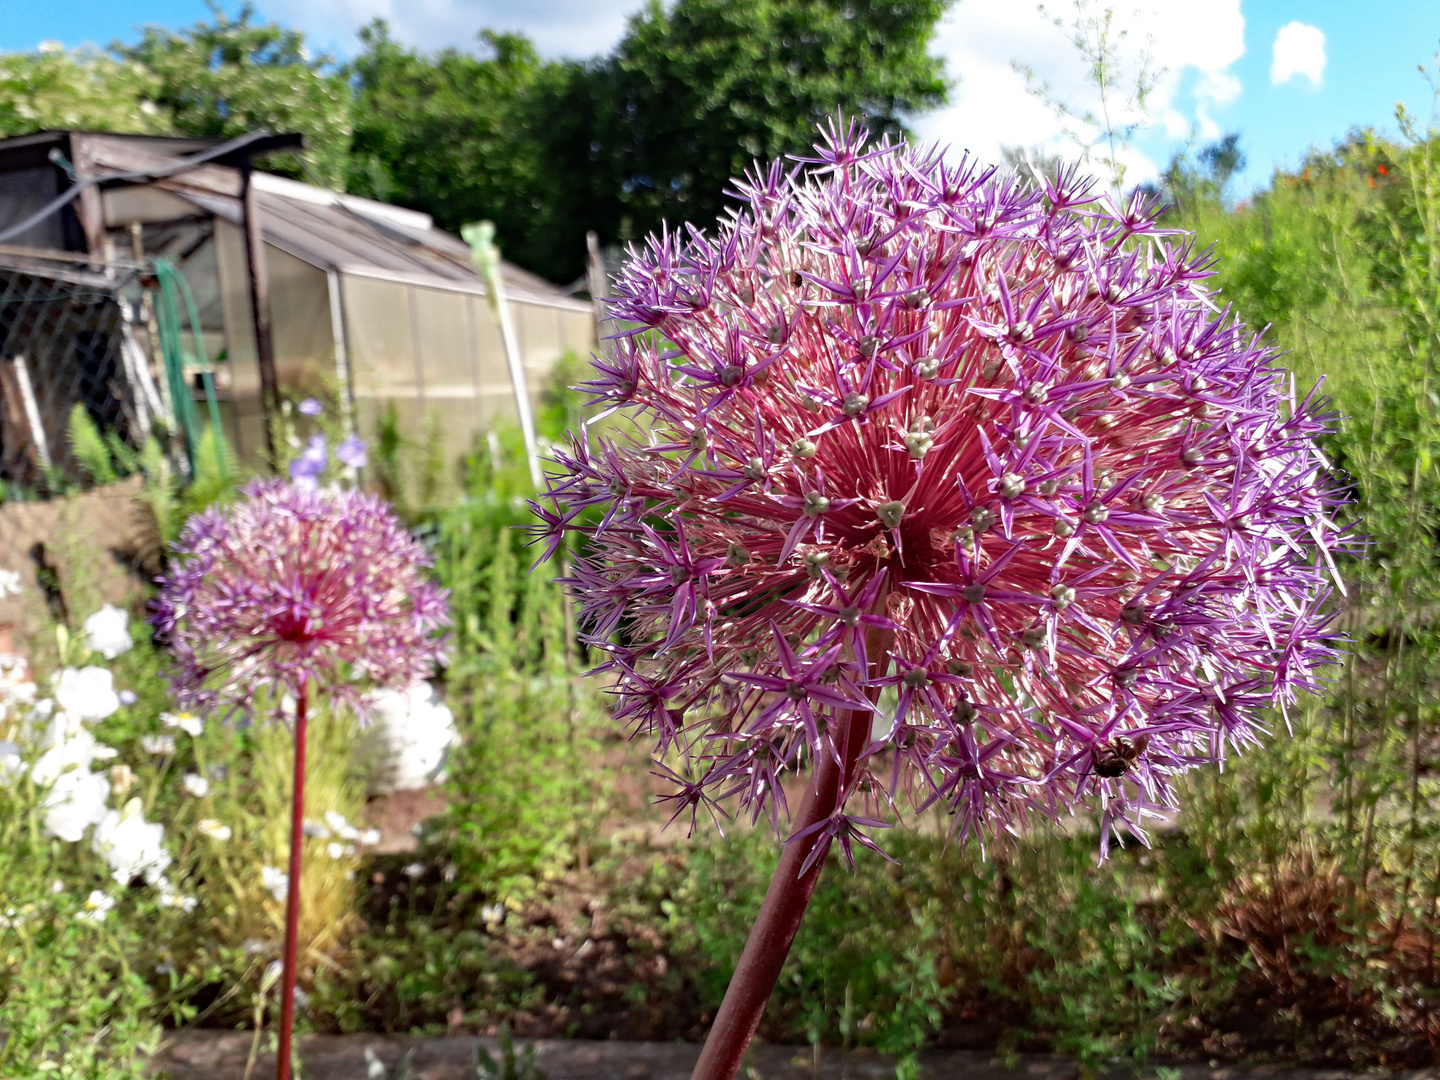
[[599, 285], [90, 207], [260, 309]]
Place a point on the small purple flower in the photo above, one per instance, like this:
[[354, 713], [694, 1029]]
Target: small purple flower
[[292, 585], [311, 407], [305, 470], [127, 697], [351, 452]]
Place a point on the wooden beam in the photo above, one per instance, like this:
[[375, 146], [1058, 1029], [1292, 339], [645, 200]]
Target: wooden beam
[[260, 310], [90, 207]]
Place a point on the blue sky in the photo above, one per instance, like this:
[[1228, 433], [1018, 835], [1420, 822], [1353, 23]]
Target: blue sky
[[1218, 53], [1372, 49]]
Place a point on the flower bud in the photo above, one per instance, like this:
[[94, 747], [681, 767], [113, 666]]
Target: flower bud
[[815, 564], [890, 513], [918, 445]]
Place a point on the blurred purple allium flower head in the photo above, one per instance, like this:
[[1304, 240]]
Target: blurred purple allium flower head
[[311, 407], [293, 584], [967, 485]]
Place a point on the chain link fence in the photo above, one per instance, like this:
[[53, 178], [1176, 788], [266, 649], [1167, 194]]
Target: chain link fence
[[69, 336]]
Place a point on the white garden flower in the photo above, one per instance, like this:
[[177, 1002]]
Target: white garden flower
[[11, 583], [370, 837], [340, 827], [196, 785], [417, 731], [97, 906], [335, 849], [75, 801], [171, 899], [277, 881], [75, 797], [414, 870], [189, 723], [159, 745], [131, 845], [213, 829], [87, 692], [108, 631]]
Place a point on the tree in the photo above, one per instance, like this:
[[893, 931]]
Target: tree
[[652, 133], [448, 134], [230, 76], [699, 91], [52, 88]]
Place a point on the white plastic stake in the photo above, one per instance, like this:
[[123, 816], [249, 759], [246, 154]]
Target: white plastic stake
[[481, 238]]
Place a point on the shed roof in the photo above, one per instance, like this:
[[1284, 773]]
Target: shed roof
[[329, 230]]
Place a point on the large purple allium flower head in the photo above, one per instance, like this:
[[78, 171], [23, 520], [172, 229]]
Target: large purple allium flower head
[[968, 486], [293, 584]]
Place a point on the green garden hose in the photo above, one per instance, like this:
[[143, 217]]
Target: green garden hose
[[173, 289]]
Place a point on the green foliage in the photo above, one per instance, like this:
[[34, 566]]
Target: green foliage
[[866, 965], [446, 133], [689, 98], [74, 1004], [88, 89], [230, 76], [1342, 259], [703, 88], [525, 791], [89, 447]]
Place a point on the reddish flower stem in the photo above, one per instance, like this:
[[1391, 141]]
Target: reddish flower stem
[[292, 892], [787, 897]]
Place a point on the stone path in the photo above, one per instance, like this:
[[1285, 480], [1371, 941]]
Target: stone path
[[222, 1055]]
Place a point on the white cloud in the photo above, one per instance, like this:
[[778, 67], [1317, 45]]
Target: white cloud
[[1194, 45], [1299, 50], [575, 28]]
